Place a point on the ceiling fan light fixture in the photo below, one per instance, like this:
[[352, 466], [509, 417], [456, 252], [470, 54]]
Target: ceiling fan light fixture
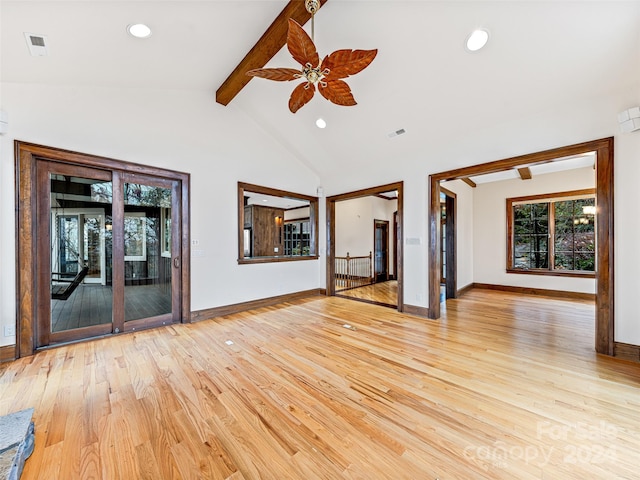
[[139, 30], [326, 76], [321, 123], [477, 40], [312, 6]]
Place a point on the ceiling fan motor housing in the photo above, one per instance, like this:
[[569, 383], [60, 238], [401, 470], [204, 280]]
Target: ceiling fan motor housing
[[312, 6]]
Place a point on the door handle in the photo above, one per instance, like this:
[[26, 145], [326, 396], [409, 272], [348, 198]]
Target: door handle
[[176, 262]]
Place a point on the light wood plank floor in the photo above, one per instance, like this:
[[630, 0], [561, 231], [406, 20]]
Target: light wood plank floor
[[503, 387], [384, 293]]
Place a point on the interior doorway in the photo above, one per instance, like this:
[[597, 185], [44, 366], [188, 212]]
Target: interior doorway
[[381, 250], [448, 243], [604, 166], [104, 250], [345, 275]]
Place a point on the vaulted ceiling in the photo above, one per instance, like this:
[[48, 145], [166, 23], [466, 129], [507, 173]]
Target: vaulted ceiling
[[540, 54]]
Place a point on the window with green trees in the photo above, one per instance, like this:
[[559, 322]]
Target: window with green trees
[[554, 233]]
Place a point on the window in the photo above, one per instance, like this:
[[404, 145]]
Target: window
[[297, 237], [135, 238], [552, 234]]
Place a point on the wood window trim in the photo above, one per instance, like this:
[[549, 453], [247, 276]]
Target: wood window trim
[[26, 157], [605, 285], [313, 224], [540, 198]]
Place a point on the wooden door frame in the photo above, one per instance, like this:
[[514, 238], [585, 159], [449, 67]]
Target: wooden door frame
[[42, 331], [604, 339], [395, 245], [451, 275], [26, 158], [377, 222], [331, 234]]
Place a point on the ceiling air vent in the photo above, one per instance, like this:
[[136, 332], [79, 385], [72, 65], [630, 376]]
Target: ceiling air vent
[[37, 44], [397, 132]]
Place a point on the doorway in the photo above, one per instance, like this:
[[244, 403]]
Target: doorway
[[389, 293], [103, 250], [449, 267], [604, 161], [381, 250]]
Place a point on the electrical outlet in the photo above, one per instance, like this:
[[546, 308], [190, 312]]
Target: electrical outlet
[[9, 330]]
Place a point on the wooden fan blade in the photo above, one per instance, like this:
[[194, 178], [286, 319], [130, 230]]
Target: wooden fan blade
[[301, 46], [337, 92], [277, 74], [300, 96], [343, 63]]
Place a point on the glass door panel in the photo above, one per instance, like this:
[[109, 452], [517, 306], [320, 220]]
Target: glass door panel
[[109, 249], [80, 238], [147, 235]]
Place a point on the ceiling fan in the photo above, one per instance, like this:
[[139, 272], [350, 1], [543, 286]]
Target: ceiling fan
[[327, 75]]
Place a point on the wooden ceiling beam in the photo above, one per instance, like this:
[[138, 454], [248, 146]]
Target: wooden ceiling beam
[[525, 173], [469, 182], [269, 44]]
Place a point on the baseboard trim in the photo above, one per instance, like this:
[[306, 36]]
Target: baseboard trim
[[464, 290], [537, 291], [625, 351], [416, 310], [208, 313], [7, 353]]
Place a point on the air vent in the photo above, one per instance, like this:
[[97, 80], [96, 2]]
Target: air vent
[[402, 131], [37, 44]]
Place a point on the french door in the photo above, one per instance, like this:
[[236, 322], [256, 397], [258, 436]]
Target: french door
[[108, 249]]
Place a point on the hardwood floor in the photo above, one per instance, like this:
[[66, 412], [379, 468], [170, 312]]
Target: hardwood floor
[[502, 387], [383, 293]]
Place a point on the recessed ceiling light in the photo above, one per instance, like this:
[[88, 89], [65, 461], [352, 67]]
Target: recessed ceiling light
[[320, 123], [477, 40], [139, 30]]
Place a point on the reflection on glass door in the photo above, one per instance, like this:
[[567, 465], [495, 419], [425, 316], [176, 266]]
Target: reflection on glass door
[[148, 266], [80, 211]]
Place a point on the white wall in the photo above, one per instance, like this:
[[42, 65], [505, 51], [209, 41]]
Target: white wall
[[464, 231], [296, 213], [490, 229], [354, 225], [180, 130], [627, 236]]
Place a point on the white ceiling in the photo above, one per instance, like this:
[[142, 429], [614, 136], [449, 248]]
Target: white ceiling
[[557, 165], [540, 53]]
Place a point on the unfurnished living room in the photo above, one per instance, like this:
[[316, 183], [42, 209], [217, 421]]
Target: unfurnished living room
[[319, 239]]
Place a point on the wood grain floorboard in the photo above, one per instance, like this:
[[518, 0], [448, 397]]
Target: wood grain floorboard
[[385, 293], [502, 387]]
